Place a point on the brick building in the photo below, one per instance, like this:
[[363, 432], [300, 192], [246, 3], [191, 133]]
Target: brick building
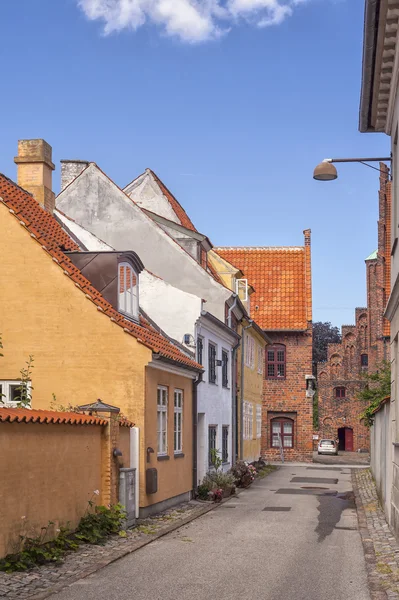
[[282, 305], [364, 345]]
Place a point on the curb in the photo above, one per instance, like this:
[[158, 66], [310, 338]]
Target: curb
[[124, 552], [377, 592]]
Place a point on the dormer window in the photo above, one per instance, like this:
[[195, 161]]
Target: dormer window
[[128, 290]]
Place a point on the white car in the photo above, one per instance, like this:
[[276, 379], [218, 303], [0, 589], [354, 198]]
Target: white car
[[327, 447]]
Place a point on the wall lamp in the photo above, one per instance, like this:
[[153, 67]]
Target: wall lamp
[[326, 171]]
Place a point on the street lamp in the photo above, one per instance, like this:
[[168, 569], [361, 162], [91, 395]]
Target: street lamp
[[326, 171]]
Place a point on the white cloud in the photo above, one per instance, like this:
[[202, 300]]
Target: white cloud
[[189, 20]]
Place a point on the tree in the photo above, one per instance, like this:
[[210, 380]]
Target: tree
[[323, 334], [377, 389]]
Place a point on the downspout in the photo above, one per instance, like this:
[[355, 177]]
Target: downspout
[[196, 382], [234, 431], [250, 321]]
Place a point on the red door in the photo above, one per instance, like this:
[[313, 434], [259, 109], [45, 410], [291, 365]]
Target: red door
[[348, 439]]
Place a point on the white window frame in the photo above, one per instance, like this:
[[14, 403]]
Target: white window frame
[[250, 420], [258, 421], [128, 303], [5, 390], [178, 422], [261, 359], [249, 351], [242, 286], [162, 420]]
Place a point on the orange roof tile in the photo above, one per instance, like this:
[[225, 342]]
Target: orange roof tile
[[176, 206], [49, 233], [25, 415], [279, 276]]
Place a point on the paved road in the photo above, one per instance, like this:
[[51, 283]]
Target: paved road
[[312, 551]]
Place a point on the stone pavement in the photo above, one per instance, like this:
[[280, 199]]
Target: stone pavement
[[379, 544], [41, 582], [343, 458]]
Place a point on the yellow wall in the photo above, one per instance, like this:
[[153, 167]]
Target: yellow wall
[[48, 472], [175, 476], [79, 353], [253, 392]]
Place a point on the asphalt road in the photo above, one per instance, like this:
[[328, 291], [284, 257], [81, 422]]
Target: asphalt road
[[312, 551]]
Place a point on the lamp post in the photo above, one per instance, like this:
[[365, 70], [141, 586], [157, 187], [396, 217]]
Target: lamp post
[[326, 171]]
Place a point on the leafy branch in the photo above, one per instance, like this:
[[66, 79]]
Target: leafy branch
[[377, 388]]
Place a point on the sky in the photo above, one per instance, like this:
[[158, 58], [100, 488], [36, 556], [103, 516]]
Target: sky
[[231, 102]]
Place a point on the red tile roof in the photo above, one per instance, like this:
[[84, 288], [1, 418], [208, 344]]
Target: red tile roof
[[279, 276], [49, 233], [25, 415], [176, 206]]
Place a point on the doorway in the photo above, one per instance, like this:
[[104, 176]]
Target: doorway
[[345, 437]]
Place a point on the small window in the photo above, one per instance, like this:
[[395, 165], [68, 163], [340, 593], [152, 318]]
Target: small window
[[258, 421], [261, 360], [225, 443], [13, 392], [276, 362], [212, 363], [248, 420], [200, 350], [178, 422], [340, 392], [162, 420], [364, 360], [249, 351], [225, 368], [212, 435], [128, 293], [282, 431]]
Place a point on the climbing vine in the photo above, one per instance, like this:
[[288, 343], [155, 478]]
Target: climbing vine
[[377, 387]]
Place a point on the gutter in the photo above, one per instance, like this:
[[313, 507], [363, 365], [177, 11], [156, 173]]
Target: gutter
[[234, 432], [196, 383]]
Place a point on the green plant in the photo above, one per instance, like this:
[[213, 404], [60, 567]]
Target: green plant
[[203, 490], [24, 397], [215, 459], [377, 388], [218, 479], [94, 527]]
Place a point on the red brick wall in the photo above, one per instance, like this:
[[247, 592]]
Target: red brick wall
[[287, 398]]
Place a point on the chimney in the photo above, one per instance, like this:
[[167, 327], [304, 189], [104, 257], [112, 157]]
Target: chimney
[[35, 171], [70, 169]]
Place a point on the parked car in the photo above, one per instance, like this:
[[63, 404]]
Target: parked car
[[327, 447]]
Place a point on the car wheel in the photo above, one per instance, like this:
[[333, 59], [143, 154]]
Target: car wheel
[[319, 453]]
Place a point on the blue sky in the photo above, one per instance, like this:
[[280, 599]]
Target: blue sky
[[233, 116]]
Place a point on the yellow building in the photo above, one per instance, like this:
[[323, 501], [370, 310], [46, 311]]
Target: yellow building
[[250, 363], [83, 348]]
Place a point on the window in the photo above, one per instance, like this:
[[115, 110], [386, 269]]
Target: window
[[249, 351], [248, 420], [225, 443], [128, 299], [282, 429], [260, 360], [212, 434], [212, 363], [364, 360], [162, 420], [258, 421], [200, 350], [276, 357], [225, 366], [12, 392], [340, 392], [178, 422]]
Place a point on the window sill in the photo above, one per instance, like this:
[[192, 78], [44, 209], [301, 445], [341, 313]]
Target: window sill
[[179, 455], [213, 382], [163, 457]]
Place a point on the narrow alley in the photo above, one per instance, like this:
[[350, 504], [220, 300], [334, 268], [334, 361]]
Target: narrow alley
[[293, 534]]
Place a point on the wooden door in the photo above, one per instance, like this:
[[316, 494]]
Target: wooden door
[[348, 439]]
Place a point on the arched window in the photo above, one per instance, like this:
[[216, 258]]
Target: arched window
[[276, 362], [128, 290], [340, 392], [282, 429]]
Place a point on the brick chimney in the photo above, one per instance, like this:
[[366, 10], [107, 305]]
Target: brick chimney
[[35, 171], [70, 169]]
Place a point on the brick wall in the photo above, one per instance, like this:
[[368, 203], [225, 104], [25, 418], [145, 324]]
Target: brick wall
[[287, 397]]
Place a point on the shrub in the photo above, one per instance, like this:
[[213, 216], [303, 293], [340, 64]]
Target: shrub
[[218, 479], [243, 473], [203, 491], [96, 526]]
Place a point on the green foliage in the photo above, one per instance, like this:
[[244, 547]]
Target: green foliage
[[94, 528], [218, 479], [203, 490], [216, 461], [24, 398], [376, 389], [266, 470], [323, 334], [61, 407]]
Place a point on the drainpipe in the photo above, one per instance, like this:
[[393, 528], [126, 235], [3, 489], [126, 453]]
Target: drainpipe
[[231, 310], [196, 382], [234, 424], [250, 321]]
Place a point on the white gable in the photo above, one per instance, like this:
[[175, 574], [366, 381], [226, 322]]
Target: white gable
[[146, 192]]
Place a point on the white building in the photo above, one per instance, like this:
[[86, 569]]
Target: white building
[[379, 112]]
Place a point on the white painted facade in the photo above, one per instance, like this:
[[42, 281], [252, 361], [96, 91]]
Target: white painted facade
[[146, 193], [96, 203], [178, 313]]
